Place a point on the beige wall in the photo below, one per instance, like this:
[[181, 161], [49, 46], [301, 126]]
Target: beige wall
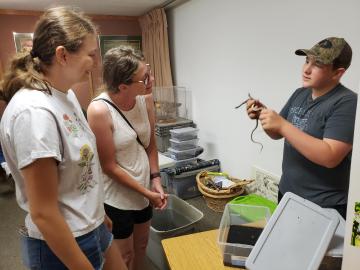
[[24, 22]]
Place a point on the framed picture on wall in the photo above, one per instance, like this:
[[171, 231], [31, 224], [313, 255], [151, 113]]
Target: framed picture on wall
[[23, 41], [108, 42]]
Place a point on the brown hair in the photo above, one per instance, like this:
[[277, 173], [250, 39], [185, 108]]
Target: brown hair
[[119, 66], [344, 58], [59, 26]]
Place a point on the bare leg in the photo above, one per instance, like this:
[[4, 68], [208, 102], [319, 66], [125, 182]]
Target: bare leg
[[126, 247], [113, 259], [141, 238]]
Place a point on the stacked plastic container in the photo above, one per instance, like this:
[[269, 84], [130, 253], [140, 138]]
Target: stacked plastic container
[[184, 145], [162, 132], [181, 178]]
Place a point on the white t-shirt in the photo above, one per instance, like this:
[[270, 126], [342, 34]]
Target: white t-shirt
[[130, 155], [38, 125]]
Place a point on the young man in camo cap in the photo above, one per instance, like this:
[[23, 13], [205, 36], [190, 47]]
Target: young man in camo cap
[[317, 123]]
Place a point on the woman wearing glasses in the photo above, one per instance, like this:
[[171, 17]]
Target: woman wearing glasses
[[122, 119]]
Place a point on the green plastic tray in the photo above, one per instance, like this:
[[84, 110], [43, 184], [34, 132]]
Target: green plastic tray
[[254, 199]]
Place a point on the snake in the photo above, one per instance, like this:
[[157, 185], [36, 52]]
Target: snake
[[255, 109]]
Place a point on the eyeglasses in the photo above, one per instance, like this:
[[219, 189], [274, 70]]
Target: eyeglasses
[[147, 76]]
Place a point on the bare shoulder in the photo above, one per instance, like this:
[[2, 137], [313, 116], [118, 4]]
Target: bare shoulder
[[98, 115], [97, 108]]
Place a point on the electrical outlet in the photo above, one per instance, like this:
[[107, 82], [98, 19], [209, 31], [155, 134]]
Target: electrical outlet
[[266, 184]]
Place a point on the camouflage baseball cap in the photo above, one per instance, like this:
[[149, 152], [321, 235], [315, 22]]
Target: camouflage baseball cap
[[327, 50]]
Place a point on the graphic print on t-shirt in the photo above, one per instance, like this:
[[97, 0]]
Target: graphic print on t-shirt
[[87, 181], [299, 117], [71, 126], [78, 122]]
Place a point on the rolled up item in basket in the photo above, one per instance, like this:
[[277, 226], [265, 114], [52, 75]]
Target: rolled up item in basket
[[223, 182], [203, 179], [217, 199]]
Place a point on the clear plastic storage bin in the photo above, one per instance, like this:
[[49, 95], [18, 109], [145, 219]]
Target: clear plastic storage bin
[[183, 145], [240, 227], [177, 219], [298, 235], [183, 184], [184, 134], [183, 154]]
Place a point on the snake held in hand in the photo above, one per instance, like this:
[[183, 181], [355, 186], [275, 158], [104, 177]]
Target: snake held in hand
[[254, 109]]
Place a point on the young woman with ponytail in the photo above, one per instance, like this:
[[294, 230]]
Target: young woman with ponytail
[[51, 151]]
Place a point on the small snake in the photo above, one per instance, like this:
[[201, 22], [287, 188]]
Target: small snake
[[257, 121], [252, 132]]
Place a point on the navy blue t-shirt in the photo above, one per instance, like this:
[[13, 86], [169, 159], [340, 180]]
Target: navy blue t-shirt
[[329, 116]]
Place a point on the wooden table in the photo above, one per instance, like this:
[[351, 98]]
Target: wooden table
[[198, 251]]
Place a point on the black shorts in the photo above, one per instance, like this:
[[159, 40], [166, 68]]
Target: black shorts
[[124, 220]]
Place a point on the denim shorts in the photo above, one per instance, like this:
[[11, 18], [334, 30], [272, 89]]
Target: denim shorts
[[37, 255]]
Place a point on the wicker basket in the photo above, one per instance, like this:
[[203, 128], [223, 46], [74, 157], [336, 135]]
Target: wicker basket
[[217, 199]]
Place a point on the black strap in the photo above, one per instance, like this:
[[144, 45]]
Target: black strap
[[123, 116]]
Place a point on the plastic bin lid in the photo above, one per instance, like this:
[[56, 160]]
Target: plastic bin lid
[[296, 237], [336, 246], [186, 151], [254, 199], [191, 141], [183, 130]]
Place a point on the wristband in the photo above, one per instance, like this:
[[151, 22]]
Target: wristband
[[154, 175]]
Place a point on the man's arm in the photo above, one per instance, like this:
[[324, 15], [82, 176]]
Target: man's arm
[[253, 109], [325, 152]]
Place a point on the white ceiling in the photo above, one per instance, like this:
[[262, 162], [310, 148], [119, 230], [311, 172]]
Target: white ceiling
[[108, 7]]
